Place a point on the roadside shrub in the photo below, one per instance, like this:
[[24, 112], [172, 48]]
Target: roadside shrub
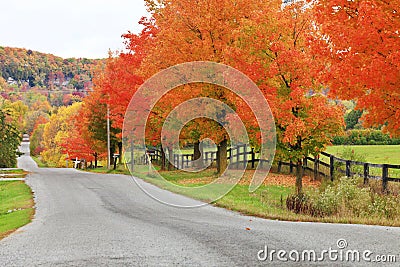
[[392, 187], [353, 199], [345, 197], [385, 206], [325, 202], [299, 204]]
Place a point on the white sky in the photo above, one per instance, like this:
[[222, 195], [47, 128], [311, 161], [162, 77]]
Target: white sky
[[69, 28]]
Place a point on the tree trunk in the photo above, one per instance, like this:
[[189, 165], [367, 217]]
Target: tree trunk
[[299, 177], [95, 159], [163, 160], [198, 155], [120, 152], [222, 155], [170, 159], [112, 151]]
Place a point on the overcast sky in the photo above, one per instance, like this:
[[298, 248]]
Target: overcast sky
[[69, 28]]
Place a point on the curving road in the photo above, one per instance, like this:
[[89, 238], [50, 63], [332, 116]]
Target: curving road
[[85, 219]]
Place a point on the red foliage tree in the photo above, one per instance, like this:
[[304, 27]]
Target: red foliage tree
[[361, 39]]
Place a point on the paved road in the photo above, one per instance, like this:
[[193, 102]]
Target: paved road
[[85, 219]]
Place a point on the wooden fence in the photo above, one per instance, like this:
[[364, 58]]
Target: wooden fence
[[331, 166], [325, 165], [239, 157]]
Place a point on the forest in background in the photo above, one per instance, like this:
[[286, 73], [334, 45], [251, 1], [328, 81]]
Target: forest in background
[[33, 87], [24, 70]]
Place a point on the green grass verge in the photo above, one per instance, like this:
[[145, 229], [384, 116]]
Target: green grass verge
[[16, 206], [13, 171], [120, 170], [40, 163]]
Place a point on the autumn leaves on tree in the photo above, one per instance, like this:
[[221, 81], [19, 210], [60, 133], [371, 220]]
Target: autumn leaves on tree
[[363, 42], [302, 55]]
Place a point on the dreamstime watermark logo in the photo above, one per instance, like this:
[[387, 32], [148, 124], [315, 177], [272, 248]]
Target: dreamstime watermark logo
[[136, 124], [340, 253]]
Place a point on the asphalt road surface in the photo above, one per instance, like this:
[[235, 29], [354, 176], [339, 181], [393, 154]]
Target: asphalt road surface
[[85, 219]]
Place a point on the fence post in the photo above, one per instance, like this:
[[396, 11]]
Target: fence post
[[385, 174], [290, 166], [237, 156], [253, 158], [331, 166], [245, 157], [316, 167], [159, 155], [132, 157], [348, 164], [366, 173]]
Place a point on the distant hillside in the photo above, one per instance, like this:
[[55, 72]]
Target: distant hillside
[[21, 67]]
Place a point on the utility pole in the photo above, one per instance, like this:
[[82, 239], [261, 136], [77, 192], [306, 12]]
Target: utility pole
[[108, 138]]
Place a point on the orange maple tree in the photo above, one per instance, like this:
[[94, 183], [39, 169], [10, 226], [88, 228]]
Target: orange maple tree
[[362, 41], [195, 31], [274, 49]]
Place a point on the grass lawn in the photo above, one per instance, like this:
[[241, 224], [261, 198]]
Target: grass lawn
[[379, 154], [16, 206]]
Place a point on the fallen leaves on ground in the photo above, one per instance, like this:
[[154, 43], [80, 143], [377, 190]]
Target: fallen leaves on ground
[[271, 179]]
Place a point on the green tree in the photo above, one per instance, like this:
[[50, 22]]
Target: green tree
[[352, 119], [10, 138], [36, 140]]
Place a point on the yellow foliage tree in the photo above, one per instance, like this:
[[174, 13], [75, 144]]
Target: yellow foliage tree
[[3, 84], [16, 111], [55, 132]]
